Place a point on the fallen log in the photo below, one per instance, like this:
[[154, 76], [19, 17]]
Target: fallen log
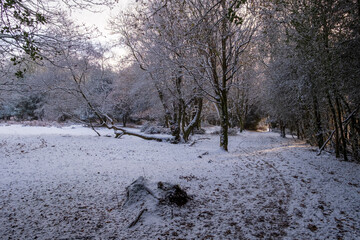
[[344, 123], [326, 142], [120, 132]]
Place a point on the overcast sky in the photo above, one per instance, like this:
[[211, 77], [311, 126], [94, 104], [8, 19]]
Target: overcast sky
[[99, 19]]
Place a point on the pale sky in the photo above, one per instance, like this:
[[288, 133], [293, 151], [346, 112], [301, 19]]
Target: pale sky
[[99, 20]]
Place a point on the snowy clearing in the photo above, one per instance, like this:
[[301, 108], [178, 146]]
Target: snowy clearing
[[67, 183]]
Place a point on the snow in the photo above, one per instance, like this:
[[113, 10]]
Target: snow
[[73, 130], [68, 183]]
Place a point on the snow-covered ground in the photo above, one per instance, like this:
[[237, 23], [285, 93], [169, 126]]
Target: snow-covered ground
[[67, 183]]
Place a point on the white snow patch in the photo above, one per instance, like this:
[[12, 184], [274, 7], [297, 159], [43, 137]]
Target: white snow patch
[[73, 130], [65, 183]]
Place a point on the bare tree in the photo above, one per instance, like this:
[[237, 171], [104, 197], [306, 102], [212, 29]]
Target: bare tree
[[155, 37], [223, 30]]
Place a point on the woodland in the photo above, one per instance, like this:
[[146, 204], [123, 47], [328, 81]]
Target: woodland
[[184, 119], [237, 64]]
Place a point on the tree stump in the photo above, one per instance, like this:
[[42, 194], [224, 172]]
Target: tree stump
[[141, 201], [173, 194]]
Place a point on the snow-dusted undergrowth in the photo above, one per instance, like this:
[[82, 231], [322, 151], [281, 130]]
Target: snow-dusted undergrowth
[[69, 184]]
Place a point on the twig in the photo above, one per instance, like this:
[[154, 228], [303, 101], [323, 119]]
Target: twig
[[92, 127], [195, 141], [133, 223], [350, 116]]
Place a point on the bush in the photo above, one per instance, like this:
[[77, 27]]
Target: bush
[[30, 108], [145, 126], [6, 112]]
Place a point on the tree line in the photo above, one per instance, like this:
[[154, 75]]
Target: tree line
[[227, 62]]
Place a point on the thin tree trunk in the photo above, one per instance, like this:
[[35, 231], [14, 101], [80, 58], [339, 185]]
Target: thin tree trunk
[[224, 125], [167, 124], [318, 128], [351, 121], [298, 131], [342, 136], [175, 127], [224, 118], [124, 118], [337, 144], [166, 109], [195, 121], [354, 141], [282, 129]]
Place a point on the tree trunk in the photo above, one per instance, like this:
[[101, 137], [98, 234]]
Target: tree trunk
[[224, 125], [224, 113], [297, 131], [351, 121], [354, 141], [337, 144], [241, 124], [124, 120], [175, 128], [183, 115], [179, 110], [318, 128], [282, 129], [358, 7], [241, 112], [195, 121], [167, 124], [342, 136], [168, 118]]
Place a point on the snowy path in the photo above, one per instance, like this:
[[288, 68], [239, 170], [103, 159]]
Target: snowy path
[[64, 186]]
